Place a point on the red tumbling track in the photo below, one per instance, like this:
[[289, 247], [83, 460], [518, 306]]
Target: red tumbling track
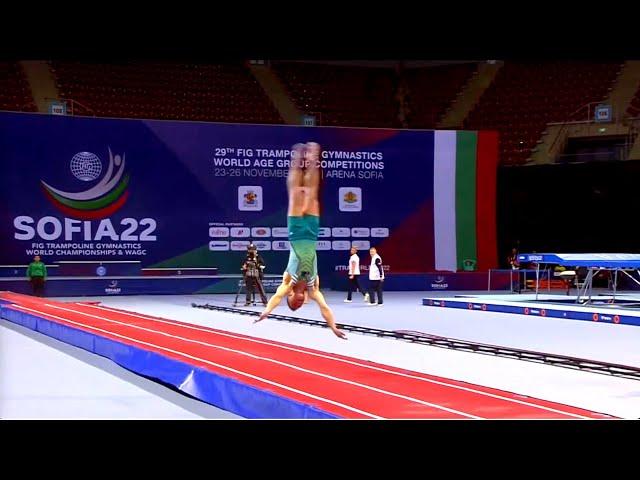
[[343, 386]]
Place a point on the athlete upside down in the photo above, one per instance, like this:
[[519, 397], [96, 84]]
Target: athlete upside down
[[303, 222]]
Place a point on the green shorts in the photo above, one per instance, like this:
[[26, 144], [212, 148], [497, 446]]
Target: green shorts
[[303, 237], [306, 227]]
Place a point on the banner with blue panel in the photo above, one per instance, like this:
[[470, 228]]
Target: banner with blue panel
[[191, 194]]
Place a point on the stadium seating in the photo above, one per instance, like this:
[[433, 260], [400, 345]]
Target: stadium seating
[[15, 93], [224, 93], [524, 97], [347, 96], [634, 108], [432, 90]]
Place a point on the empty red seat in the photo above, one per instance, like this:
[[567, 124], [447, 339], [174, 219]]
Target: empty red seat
[[165, 90], [342, 95], [525, 97], [15, 92]]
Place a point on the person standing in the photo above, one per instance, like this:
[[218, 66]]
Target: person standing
[[354, 276], [261, 264], [376, 277], [37, 273], [252, 252], [514, 263], [251, 269]]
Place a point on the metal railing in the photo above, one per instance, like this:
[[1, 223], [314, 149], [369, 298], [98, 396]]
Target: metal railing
[[317, 115], [73, 106], [517, 274], [618, 152], [571, 120]]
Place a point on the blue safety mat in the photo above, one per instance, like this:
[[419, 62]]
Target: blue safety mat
[[223, 392]]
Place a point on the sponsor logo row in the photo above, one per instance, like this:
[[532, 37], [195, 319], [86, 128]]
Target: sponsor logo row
[[282, 232], [241, 245]]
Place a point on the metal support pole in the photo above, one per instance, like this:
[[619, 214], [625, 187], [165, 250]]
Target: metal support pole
[[584, 286], [240, 285], [631, 277], [588, 283]]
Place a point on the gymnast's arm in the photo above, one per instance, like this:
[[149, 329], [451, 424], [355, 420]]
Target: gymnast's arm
[[281, 292], [326, 312]]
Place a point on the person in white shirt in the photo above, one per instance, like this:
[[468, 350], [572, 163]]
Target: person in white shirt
[[376, 277], [354, 276]]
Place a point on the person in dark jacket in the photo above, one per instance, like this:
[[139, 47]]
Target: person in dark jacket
[[376, 278]]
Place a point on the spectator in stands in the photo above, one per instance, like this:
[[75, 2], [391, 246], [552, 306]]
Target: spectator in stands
[[37, 273]]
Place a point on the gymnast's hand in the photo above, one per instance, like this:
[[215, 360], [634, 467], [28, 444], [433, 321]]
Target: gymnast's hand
[[262, 316], [339, 333]]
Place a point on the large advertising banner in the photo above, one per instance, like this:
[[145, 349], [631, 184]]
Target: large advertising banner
[[191, 194]]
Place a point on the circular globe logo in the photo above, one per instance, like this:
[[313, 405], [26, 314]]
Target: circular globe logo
[[86, 166], [101, 271], [104, 196]]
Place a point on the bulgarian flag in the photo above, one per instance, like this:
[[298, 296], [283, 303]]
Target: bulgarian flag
[[464, 199]]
